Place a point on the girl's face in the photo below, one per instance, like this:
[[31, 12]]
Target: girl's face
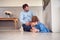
[[33, 23], [26, 9]]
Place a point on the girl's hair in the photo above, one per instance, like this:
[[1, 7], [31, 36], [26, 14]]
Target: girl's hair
[[35, 19]]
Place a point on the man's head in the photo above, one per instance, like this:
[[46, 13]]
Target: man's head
[[25, 7]]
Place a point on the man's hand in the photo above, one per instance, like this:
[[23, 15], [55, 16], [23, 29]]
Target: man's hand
[[27, 23]]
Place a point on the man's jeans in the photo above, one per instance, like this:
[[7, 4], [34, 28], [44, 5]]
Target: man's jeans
[[26, 28]]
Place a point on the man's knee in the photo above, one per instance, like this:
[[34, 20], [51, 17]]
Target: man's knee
[[26, 28]]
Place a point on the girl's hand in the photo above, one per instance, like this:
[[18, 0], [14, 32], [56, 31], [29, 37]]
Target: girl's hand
[[34, 30], [32, 24]]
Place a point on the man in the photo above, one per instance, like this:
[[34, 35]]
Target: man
[[25, 17]]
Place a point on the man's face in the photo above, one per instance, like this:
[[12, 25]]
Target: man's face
[[26, 9]]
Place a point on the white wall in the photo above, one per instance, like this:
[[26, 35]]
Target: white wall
[[55, 12], [15, 7], [37, 10], [4, 3]]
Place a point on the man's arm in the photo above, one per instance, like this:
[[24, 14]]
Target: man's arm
[[21, 16]]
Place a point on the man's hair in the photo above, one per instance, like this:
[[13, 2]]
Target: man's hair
[[35, 19], [24, 6]]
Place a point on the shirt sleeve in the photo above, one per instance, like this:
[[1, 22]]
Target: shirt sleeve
[[21, 17]]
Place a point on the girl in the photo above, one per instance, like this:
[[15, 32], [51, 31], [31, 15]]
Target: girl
[[38, 26]]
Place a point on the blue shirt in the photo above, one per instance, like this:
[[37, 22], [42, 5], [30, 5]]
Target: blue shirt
[[25, 16], [42, 27]]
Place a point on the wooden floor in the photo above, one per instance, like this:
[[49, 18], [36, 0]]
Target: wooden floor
[[18, 35], [10, 33]]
